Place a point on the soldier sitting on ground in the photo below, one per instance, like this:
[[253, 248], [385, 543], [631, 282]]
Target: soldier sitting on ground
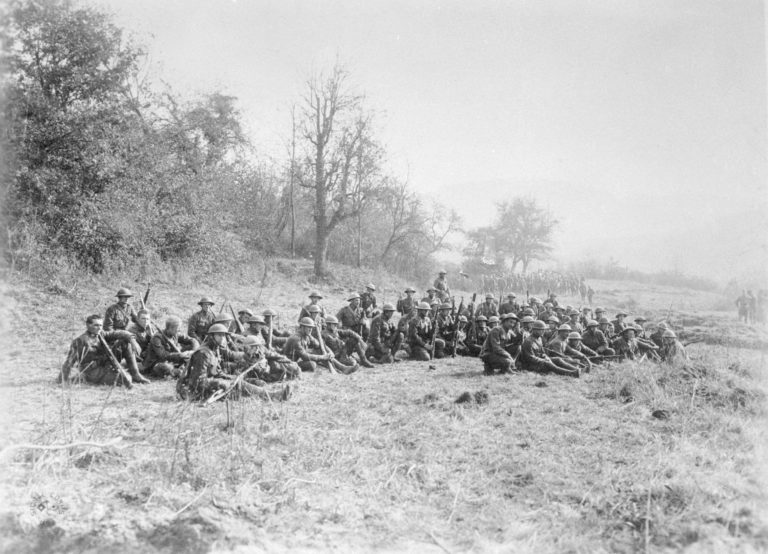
[[198, 324], [243, 316], [420, 334], [657, 335], [384, 339], [672, 350], [534, 358], [576, 343], [304, 349], [618, 323], [343, 343], [493, 352], [271, 366], [93, 363], [206, 374], [352, 321], [594, 339], [121, 314], [168, 350], [559, 347], [626, 345], [552, 324], [279, 338], [142, 331], [477, 335]]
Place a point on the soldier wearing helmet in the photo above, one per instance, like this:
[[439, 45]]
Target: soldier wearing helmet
[[207, 372], [626, 345], [198, 323], [343, 343], [533, 357], [279, 337], [368, 301], [487, 308], [407, 305], [314, 300], [552, 324], [420, 333], [575, 342], [431, 296], [269, 365], [477, 335], [442, 289], [560, 348], [657, 335], [304, 349], [120, 314], [494, 351], [510, 306], [352, 318], [672, 351], [594, 339], [168, 350], [384, 339], [619, 323]]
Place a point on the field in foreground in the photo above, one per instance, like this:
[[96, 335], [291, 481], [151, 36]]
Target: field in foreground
[[629, 458]]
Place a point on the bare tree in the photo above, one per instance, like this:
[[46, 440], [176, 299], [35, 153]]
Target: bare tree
[[341, 158]]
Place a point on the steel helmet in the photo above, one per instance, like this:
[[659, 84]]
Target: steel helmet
[[669, 334], [387, 308], [218, 328], [553, 319], [245, 311], [315, 294], [354, 296], [313, 309], [206, 300], [493, 319], [306, 322], [538, 324], [331, 320], [592, 323], [564, 327], [222, 317], [423, 306], [269, 312], [370, 286], [603, 320], [573, 335], [463, 319], [527, 319], [481, 318], [256, 319], [508, 316], [124, 292], [445, 306]]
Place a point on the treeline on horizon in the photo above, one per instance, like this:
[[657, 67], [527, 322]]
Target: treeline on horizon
[[103, 170]]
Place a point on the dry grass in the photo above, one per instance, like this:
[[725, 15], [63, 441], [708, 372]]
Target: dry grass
[[386, 458]]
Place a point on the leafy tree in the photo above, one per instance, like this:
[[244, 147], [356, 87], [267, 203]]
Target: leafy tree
[[521, 233]]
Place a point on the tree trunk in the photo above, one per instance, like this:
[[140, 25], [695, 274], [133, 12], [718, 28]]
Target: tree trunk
[[321, 252], [360, 238]]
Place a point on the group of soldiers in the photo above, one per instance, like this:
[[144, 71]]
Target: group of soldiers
[[539, 282], [235, 354]]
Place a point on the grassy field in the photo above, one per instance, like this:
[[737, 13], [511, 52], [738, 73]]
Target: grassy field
[[630, 458]]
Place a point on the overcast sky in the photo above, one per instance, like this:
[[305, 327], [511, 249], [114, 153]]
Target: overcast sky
[[640, 124]]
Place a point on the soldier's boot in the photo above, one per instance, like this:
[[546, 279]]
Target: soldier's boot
[[487, 369], [133, 369], [363, 358]]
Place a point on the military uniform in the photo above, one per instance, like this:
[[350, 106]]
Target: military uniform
[[494, 353], [351, 318], [487, 310], [198, 324], [626, 348], [594, 339], [204, 375], [368, 302], [420, 337], [142, 336], [118, 317], [94, 363], [303, 350], [164, 356], [442, 288], [384, 339], [406, 306], [306, 313]]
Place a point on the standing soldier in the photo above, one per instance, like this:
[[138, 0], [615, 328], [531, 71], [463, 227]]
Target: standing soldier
[[420, 334], [590, 294], [407, 305], [510, 306], [534, 358], [121, 314], [441, 286], [314, 300], [487, 308], [368, 300], [198, 324], [384, 339], [168, 350], [494, 353], [94, 363], [583, 291]]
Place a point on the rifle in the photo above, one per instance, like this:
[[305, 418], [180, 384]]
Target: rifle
[[456, 330], [434, 336], [146, 295], [269, 336], [117, 366], [223, 393], [238, 324]]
